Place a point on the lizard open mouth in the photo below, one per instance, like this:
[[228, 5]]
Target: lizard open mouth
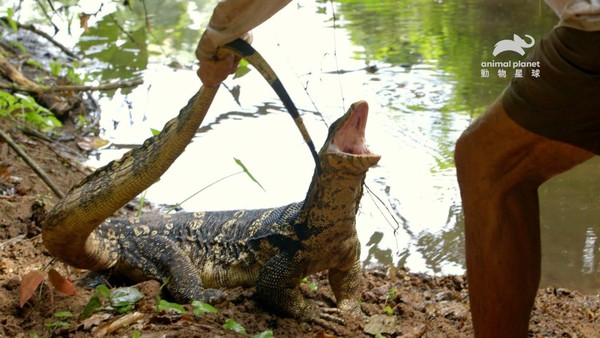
[[349, 138]]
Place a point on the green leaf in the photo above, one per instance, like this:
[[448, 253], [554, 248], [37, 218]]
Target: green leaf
[[125, 296], [93, 306], [234, 326], [125, 308], [312, 285], [154, 131], [242, 69], [164, 305], [55, 68], [264, 334], [103, 291], [63, 314], [389, 310], [57, 324], [392, 294], [201, 307], [9, 15], [239, 162], [136, 334], [34, 63], [379, 335]]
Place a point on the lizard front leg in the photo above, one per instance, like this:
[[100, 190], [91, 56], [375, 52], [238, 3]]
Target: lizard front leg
[[346, 286]]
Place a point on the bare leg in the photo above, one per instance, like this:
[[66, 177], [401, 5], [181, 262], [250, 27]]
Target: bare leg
[[500, 166]]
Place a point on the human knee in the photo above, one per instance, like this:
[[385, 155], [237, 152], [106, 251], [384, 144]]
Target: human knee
[[469, 158]]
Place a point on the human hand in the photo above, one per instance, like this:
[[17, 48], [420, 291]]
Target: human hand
[[216, 63]]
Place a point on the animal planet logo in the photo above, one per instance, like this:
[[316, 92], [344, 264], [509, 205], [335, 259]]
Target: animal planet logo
[[517, 45]]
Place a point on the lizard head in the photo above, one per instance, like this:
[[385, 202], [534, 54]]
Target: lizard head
[[345, 150]]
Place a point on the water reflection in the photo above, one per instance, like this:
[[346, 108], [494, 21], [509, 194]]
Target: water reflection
[[417, 63]]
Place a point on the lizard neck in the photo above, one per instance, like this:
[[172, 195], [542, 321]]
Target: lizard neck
[[332, 200]]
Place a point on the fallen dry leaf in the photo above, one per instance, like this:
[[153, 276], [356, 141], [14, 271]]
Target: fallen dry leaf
[[91, 143], [61, 284], [29, 283]]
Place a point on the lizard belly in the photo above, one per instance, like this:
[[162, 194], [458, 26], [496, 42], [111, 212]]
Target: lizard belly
[[216, 275]]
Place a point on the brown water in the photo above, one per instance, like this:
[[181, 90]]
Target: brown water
[[418, 64]]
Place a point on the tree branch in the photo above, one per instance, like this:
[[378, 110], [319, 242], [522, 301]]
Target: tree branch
[[38, 170], [45, 35], [59, 88]]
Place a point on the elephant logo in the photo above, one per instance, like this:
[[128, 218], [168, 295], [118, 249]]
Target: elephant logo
[[517, 45]]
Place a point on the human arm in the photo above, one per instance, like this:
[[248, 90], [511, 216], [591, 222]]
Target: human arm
[[231, 19]]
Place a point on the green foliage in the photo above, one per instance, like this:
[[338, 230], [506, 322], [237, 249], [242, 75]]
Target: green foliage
[[138, 213], [121, 300], [264, 334], [201, 308], [312, 285], [60, 323], [58, 69], [57, 323], [388, 310], [242, 70], [244, 170], [9, 16], [63, 314], [234, 326], [391, 294], [34, 63], [167, 306], [239, 162], [55, 68], [25, 107]]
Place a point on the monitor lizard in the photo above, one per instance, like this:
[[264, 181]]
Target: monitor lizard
[[198, 252]]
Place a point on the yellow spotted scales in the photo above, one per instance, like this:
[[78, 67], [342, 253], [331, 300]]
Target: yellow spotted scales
[[272, 249]]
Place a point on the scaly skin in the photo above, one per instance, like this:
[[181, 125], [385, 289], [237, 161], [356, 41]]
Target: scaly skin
[[272, 249]]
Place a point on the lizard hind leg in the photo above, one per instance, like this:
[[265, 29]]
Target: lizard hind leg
[[159, 258], [277, 289]]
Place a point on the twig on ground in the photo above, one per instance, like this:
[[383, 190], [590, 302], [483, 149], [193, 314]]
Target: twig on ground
[[31, 163], [15, 75], [52, 145], [45, 35], [75, 88], [12, 240]]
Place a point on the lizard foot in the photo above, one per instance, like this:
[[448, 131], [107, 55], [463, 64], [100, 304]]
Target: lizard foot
[[337, 319], [330, 319], [212, 296]]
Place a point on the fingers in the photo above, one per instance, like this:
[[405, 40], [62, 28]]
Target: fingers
[[216, 64], [213, 71]]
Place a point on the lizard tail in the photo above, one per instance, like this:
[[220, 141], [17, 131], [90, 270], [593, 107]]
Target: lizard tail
[[68, 226], [68, 229]]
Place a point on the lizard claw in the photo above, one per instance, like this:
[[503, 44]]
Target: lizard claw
[[332, 315], [329, 318]]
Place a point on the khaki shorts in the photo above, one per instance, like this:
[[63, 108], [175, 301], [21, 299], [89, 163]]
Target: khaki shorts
[[563, 103]]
